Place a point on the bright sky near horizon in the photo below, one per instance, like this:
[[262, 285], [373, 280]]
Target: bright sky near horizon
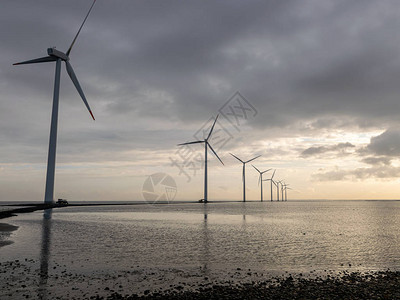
[[318, 82]]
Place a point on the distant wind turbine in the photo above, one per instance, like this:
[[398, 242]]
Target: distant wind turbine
[[261, 180], [58, 56], [277, 189], [285, 187], [272, 182], [282, 188], [206, 145], [244, 173]]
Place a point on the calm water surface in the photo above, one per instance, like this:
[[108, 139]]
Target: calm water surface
[[273, 237]]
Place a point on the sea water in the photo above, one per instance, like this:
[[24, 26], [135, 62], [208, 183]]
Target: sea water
[[297, 236]]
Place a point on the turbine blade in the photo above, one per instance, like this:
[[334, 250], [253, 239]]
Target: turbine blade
[[215, 153], [237, 158], [273, 174], [80, 28], [257, 169], [188, 143], [72, 75], [252, 159], [266, 171], [212, 128], [37, 60]]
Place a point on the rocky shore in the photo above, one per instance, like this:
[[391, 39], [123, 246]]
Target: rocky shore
[[33, 279], [378, 285]]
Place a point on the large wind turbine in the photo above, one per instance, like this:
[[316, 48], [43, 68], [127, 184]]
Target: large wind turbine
[[58, 56], [244, 173], [206, 145], [272, 182], [261, 180]]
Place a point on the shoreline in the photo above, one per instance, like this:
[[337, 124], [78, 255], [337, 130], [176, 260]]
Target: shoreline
[[373, 285], [28, 208]]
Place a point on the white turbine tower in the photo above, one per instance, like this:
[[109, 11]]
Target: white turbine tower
[[58, 56], [272, 182], [206, 145], [244, 173], [261, 180]]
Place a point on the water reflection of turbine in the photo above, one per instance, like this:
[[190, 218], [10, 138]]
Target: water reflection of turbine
[[45, 253], [205, 254]]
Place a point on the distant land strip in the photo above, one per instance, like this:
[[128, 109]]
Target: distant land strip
[[27, 208]]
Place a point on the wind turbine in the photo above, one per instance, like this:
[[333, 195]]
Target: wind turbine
[[282, 184], [261, 180], [277, 189], [285, 187], [272, 182], [58, 56], [206, 145], [244, 173]]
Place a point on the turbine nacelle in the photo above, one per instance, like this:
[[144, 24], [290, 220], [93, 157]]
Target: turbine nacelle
[[54, 52]]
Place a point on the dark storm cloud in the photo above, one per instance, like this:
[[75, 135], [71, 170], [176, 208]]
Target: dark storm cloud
[[340, 150], [331, 64], [385, 144]]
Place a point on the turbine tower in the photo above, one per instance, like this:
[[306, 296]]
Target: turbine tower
[[244, 173], [58, 57], [261, 180], [277, 189], [272, 182], [206, 145]]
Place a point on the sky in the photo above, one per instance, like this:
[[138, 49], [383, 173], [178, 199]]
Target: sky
[[312, 86]]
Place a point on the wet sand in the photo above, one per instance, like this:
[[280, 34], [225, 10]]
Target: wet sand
[[5, 232]]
